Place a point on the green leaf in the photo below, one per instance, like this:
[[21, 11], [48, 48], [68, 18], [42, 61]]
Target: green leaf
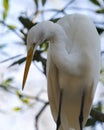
[[20, 61], [95, 2], [6, 7], [100, 30], [25, 100], [100, 11], [91, 122], [54, 20], [19, 94], [12, 27], [26, 22], [4, 15], [44, 46], [17, 108], [7, 81], [36, 3], [43, 2]]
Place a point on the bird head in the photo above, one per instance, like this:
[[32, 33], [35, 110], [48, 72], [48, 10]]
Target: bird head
[[36, 35], [39, 33]]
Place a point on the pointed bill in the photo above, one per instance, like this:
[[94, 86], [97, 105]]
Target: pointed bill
[[27, 66]]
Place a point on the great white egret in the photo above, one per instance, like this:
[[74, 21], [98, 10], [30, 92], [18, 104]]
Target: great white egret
[[72, 67]]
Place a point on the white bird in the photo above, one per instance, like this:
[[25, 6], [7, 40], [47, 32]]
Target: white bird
[[73, 67]]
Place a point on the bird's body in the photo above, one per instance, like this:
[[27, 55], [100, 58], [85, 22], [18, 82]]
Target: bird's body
[[82, 47], [72, 65]]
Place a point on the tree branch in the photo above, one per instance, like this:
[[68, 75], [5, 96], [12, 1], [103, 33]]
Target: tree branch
[[40, 112]]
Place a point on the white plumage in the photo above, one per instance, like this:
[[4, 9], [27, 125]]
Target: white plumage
[[73, 65]]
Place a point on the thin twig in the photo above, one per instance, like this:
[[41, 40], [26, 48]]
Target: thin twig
[[13, 30], [69, 3], [34, 98], [11, 58], [63, 9], [38, 115]]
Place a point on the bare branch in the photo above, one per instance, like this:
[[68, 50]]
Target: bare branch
[[39, 114], [13, 30]]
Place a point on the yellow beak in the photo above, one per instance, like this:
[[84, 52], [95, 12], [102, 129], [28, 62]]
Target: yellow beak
[[27, 66]]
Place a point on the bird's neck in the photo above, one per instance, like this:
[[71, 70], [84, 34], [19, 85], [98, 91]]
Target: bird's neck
[[64, 60], [60, 50]]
